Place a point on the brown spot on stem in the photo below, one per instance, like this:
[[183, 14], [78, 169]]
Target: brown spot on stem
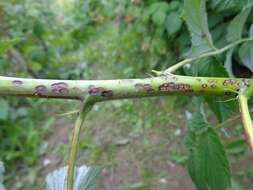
[[229, 82], [107, 93], [148, 88], [95, 91], [212, 81], [17, 82], [246, 82], [138, 86], [171, 86], [60, 88], [204, 85], [145, 87], [40, 89]]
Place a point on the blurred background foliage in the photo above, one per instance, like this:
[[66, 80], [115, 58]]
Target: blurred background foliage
[[105, 39]]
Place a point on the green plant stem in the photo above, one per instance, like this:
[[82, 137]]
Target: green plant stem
[[119, 89], [86, 106], [208, 54], [246, 120]]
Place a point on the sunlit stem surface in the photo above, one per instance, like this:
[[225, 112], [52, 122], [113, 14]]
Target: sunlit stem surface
[[246, 120], [86, 106]]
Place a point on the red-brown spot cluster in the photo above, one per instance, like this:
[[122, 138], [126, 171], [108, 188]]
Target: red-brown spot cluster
[[204, 85], [171, 86], [40, 89], [60, 88], [229, 82], [99, 91], [146, 87], [212, 81], [245, 82], [17, 82]]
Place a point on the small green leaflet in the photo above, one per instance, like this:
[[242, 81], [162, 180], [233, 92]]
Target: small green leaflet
[[208, 67], [235, 28], [196, 20], [207, 165], [222, 108], [6, 44], [227, 5], [246, 52], [173, 23], [236, 146], [157, 11], [234, 32], [4, 109]]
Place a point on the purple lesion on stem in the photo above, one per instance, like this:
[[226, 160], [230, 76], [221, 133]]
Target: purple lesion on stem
[[245, 82], [171, 86], [40, 89], [204, 85], [212, 81], [145, 87], [99, 91], [60, 88], [229, 82], [17, 82]]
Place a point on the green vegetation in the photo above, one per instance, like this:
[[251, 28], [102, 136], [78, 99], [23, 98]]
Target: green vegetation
[[140, 143]]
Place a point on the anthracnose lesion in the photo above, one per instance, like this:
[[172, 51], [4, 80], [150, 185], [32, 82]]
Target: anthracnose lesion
[[40, 89], [171, 86], [99, 91], [144, 87], [17, 82], [60, 88]]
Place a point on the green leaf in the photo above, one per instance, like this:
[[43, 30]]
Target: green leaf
[[4, 109], [235, 186], [246, 52], [159, 15], [227, 5], [235, 28], [208, 165], [236, 146], [173, 23], [196, 20], [159, 18], [6, 44], [196, 124], [155, 10], [222, 108], [208, 67]]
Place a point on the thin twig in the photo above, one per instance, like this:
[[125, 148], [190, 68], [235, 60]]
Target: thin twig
[[208, 54], [84, 110], [246, 120]]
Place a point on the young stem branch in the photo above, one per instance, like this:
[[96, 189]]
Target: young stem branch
[[246, 120], [84, 110], [178, 65]]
